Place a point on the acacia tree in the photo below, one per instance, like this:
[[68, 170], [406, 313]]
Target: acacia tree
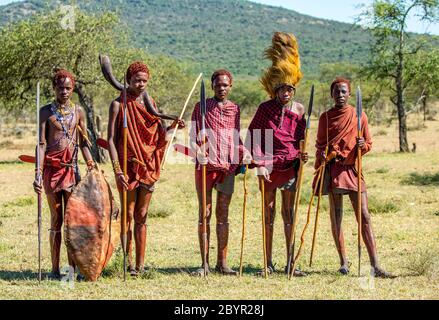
[[394, 47], [423, 70], [31, 50]]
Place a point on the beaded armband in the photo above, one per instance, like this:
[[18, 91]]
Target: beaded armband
[[116, 167]]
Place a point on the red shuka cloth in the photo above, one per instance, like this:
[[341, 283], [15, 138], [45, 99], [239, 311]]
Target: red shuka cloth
[[224, 144], [146, 143], [287, 129], [212, 178], [338, 127], [277, 155], [56, 179]]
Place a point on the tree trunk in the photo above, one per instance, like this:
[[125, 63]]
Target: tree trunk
[[402, 116], [87, 103], [424, 105]]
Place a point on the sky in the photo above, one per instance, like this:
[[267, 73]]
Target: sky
[[340, 10]]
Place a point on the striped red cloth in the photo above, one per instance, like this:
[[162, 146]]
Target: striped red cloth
[[146, 143], [224, 144], [275, 133]]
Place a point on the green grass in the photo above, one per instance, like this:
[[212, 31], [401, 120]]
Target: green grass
[[405, 219]]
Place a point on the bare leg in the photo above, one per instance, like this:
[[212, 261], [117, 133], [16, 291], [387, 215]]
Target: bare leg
[[336, 215], [366, 230], [368, 235], [222, 232], [288, 216], [270, 213], [200, 227], [56, 219], [131, 203], [140, 226], [66, 196]]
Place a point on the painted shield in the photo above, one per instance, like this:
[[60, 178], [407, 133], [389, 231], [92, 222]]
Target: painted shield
[[91, 230]]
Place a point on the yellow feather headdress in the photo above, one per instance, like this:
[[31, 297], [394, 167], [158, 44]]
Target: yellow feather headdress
[[284, 53]]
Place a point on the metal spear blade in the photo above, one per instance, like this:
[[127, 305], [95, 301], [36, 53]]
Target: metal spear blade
[[359, 107], [310, 106]]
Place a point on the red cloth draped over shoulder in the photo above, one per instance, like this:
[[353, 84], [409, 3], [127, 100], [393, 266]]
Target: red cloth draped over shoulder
[[286, 129], [146, 143], [338, 127], [58, 178]]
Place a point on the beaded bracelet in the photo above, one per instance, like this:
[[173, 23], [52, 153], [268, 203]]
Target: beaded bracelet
[[116, 167]]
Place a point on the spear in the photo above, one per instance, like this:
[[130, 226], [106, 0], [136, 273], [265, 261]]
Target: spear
[[38, 178], [244, 209], [125, 169], [308, 219], [263, 226], [168, 146], [299, 186], [322, 181], [203, 168], [359, 114]]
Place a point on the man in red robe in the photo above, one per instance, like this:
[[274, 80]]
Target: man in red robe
[[225, 152], [147, 139], [338, 129], [59, 143]]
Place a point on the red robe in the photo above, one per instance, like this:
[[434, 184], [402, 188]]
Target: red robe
[[338, 127], [146, 143]]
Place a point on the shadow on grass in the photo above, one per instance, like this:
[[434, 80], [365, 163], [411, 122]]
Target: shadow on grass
[[416, 179], [11, 162], [25, 275]]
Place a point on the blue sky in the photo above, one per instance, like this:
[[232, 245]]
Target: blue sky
[[340, 10]]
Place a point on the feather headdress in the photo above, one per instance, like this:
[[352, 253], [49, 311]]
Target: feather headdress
[[285, 70]]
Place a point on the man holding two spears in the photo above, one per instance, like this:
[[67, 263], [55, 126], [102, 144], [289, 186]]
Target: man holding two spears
[[276, 131], [222, 154], [338, 130], [60, 123]]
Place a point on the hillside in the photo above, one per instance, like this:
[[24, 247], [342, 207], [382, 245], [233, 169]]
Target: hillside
[[221, 33]]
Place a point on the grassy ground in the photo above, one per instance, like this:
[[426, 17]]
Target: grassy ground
[[403, 190]]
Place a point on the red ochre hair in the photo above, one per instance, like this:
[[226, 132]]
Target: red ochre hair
[[221, 72], [136, 67], [340, 80], [63, 74]]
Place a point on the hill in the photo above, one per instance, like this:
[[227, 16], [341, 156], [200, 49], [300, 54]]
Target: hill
[[221, 33]]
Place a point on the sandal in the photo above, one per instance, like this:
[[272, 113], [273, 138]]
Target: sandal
[[380, 273], [200, 272], [270, 270], [226, 271]]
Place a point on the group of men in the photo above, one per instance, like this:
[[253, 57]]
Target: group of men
[[272, 147]]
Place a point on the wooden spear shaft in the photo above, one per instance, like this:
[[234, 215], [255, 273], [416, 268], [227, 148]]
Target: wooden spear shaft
[[203, 108], [39, 200], [322, 181], [264, 238], [360, 222], [296, 207], [204, 196], [308, 220], [125, 171], [360, 170], [244, 209], [174, 132]]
